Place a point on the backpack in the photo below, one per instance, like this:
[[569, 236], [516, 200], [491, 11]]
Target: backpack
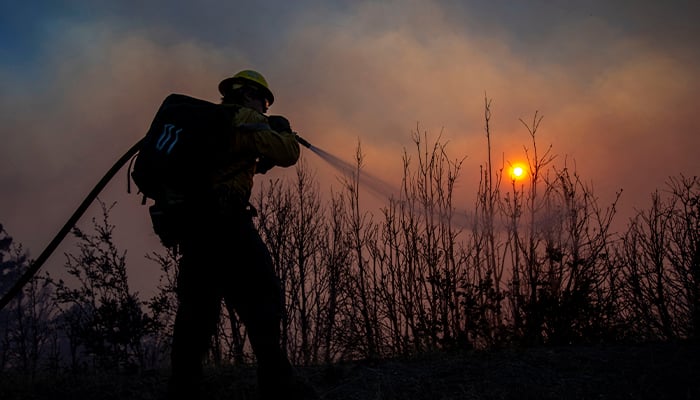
[[177, 156], [178, 147]]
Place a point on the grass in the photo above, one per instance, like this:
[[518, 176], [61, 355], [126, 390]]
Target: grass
[[645, 371]]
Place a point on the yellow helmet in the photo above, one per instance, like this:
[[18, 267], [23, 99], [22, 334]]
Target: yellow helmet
[[247, 77]]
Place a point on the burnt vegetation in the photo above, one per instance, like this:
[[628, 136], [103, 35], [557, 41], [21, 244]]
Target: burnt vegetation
[[380, 304]]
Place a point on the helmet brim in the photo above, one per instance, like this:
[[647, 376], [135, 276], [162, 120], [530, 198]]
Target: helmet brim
[[227, 84]]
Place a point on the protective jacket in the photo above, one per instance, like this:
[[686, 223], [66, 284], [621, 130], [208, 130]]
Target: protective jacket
[[254, 148]]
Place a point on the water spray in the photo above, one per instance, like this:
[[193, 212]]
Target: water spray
[[381, 188], [371, 182]]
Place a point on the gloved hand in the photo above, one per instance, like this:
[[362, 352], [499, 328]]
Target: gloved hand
[[279, 123]]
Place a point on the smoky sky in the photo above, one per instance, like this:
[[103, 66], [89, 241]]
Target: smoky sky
[[615, 81]]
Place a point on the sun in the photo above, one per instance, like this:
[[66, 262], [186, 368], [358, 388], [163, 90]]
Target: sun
[[517, 172]]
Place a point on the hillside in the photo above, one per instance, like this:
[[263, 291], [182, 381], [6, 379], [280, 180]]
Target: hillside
[[649, 371]]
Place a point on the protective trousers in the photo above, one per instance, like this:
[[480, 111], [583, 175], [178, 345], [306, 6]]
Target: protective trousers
[[226, 259]]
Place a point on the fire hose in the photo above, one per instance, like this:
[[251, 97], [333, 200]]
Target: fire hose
[[39, 262]]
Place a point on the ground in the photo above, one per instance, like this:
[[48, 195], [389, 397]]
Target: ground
[[643, 371]]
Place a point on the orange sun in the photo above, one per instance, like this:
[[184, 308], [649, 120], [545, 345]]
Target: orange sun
[[517, 172]]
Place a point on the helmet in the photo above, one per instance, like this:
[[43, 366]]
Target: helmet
[[247, 77]]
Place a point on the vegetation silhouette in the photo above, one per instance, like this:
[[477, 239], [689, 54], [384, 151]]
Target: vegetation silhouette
[[536, 266]]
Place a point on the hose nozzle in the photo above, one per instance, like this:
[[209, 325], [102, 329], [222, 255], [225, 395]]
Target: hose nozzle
[[303, 141]]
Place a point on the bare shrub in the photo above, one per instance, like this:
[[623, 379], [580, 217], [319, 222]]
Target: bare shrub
[[661, 261], [103, 319], [28, 338]]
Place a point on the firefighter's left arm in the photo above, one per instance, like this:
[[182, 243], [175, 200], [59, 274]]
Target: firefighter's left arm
[[277, 148], [271, 147]]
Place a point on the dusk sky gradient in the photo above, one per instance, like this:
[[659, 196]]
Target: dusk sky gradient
[[617, 82]]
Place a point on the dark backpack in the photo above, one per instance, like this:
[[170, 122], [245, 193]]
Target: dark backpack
[[177, 157], [179, 148]]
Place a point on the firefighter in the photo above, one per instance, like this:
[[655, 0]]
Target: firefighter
[[223, 255]]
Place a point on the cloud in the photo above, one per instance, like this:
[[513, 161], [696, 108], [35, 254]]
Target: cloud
[[600, 91]]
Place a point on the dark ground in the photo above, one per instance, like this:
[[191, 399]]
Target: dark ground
[[648, 371]]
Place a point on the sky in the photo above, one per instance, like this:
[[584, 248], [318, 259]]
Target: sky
[[616, 83]]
